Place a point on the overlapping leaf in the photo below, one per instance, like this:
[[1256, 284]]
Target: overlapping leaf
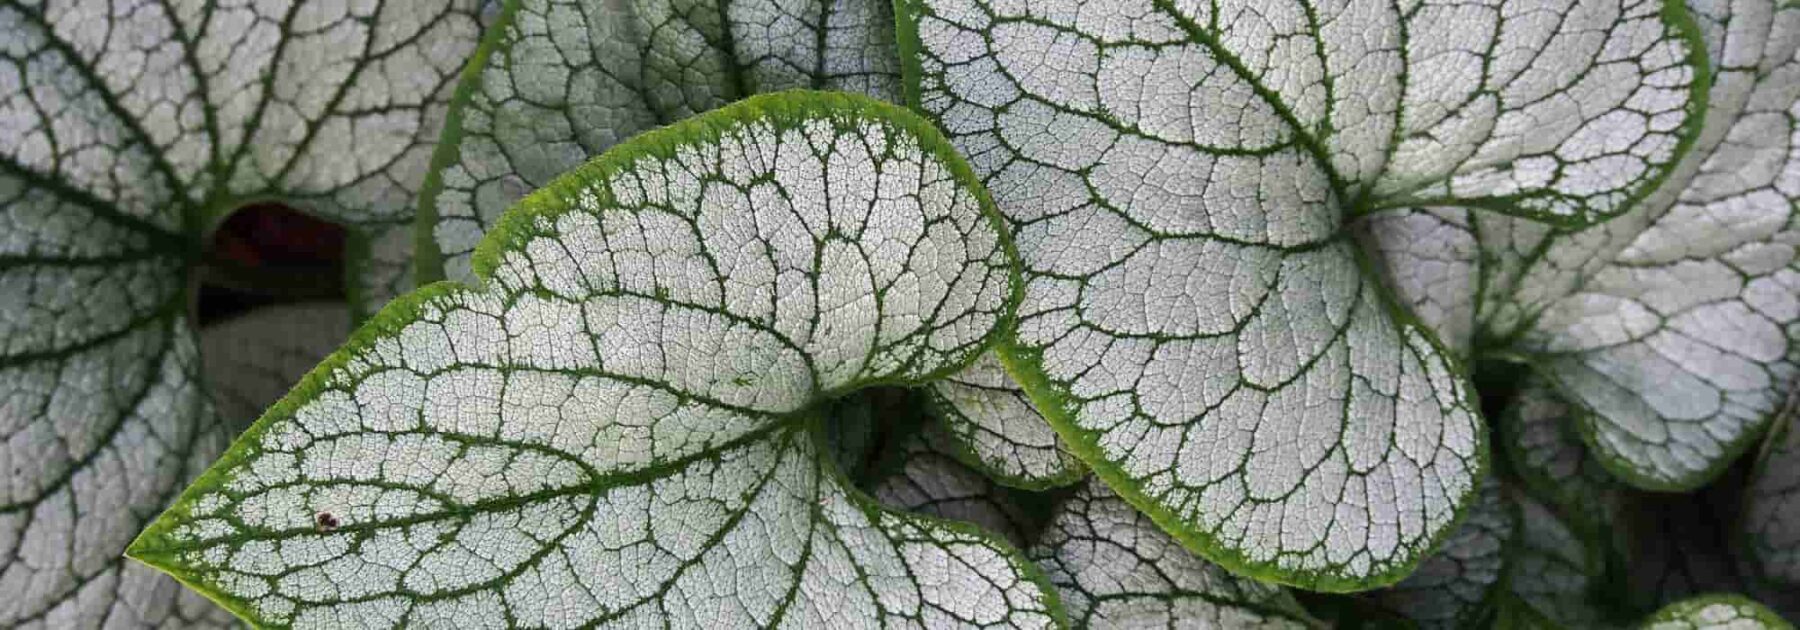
[[1457, 586], [1196, 321], [996, 429], [1724, 612], [127, 130], [1557, 575], [1116, 569], [1538, 435], [1671, 329], [621, 427], [560, 81], [933, 480], [1772, 510]]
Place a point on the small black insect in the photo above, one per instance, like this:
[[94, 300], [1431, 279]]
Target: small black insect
[[326, 521]]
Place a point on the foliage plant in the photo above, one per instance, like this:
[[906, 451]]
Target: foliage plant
[[921, 313]]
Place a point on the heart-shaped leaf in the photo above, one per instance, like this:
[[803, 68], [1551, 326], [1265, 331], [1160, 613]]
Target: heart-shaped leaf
[[559, 81], [621, 426], [1196, 321], [1673, 329], [128, 130]]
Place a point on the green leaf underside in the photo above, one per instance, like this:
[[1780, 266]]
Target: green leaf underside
[[252, 359], [995, 429], [1715, 612], [1456, 587], [621, 428], [1178, 175], [131, 129], [1672, 328], [1772, 511], [1116, 569]]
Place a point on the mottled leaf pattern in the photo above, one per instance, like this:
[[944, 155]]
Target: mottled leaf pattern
[[932, 480], [620, 428], [560, 81], [1116, 569], [127, 130], [1672, 328], [1456, 587], [996, 429], [1178, 176]]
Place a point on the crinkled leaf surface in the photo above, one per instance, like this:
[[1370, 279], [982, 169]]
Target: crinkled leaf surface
[[128, 129], [560, 81], [1673, 328], [557, 82], [620, 427], [252, 359], [1116, 569], [1772, 505], [1456, 587], [1716, 612], [996, 429], [1178, 176]]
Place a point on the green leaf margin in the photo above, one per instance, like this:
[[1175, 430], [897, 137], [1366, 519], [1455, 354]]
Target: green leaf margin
[[152, 546], [1025, 366]]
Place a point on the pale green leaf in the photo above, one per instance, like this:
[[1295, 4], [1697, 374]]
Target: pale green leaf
[[620, 425], [1197, 321], [1716, 612], [1116, 569], [128, 130]]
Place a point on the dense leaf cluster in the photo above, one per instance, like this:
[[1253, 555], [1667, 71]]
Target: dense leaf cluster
[[930, 313]]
